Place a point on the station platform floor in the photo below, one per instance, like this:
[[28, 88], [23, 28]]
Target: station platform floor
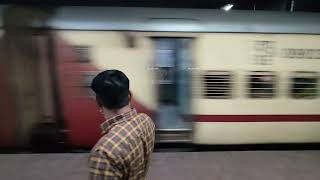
[[212, 165]]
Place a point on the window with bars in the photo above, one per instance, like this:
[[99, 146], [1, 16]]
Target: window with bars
[[85, 83], [304, 85], [83, 53], [261, 84], [217, 85]]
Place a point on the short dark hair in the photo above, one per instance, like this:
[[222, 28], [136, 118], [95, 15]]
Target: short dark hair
[[111, 88]]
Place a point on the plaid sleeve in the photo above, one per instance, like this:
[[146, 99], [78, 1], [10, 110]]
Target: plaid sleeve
[[103, 167]]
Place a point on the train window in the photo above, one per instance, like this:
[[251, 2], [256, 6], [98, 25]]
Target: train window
[[261, 84], [85, 85], [304, 85], [83, 53], [217, 85], [165, 75]]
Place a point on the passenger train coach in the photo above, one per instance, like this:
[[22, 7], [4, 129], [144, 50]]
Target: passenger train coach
[[204, 76]]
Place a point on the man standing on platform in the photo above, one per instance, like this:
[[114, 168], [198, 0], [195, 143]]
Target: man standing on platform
[[123, 152]]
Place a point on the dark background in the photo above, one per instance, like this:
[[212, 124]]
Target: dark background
[[270, 5]]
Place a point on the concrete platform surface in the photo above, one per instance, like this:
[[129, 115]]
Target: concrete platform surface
[[229, 165]]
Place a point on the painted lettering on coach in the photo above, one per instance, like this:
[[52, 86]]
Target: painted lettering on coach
[[295, 53]]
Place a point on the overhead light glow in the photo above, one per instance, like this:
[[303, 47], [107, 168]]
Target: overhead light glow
[[227, 7]]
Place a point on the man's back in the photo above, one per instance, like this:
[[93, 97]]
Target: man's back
[[124, 150]]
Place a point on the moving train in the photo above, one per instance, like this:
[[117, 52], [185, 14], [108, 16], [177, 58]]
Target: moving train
[[204, 76]]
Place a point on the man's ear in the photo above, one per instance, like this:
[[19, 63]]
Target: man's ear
[[99, 101], [129, 96]]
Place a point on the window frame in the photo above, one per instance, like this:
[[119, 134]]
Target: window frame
[[85, 83], [79, 56], [229, 89], [249, 83], [303, 74]]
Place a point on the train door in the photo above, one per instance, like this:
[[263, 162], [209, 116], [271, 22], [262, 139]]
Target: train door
[[172, 61]]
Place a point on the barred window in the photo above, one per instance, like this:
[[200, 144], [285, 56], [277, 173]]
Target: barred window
[[304, 85], [85, 84], [83, 53], [217, 85], [261, 84]]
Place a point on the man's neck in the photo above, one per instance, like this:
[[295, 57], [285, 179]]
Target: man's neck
[[117, 112], [123, 110]]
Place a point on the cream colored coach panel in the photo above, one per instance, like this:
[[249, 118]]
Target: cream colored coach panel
[[236, 53], [221, 51], [109, 51], [256, 132], [301, 44]]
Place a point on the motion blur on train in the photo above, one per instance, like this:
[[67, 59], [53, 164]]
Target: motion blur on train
[[205, 76]]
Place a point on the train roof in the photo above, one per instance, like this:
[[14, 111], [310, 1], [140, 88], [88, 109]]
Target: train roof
[[184, 20]]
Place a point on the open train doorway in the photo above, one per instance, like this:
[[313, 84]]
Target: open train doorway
[[172, 63]]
